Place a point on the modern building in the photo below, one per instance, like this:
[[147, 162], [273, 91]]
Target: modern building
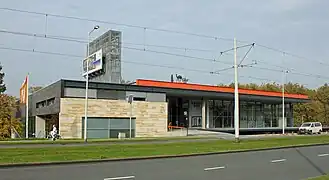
[[156, 105]]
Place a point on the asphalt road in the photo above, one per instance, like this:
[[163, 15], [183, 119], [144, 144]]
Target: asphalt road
[[292, 164]]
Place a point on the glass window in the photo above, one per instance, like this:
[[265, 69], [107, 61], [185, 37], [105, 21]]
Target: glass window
[[243, 115], [108, 127], [267, 115]]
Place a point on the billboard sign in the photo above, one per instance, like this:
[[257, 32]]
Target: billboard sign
[[95, 62]]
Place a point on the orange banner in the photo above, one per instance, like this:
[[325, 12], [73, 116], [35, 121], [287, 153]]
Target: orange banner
[[23, 92]]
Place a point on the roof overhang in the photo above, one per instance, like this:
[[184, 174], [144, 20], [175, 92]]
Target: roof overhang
[[185, 89], [181, 92]]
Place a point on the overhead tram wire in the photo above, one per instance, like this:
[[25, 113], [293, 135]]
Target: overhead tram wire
[[70, 39], [282, 68], [291, 54], [125, 47], [295, 73], [133, 62], [151, 28], [146, 44], [80, 40], [118, 24]]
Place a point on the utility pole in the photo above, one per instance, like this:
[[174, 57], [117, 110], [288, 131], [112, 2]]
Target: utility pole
[[283, 82], [283, 98], [236, 95]]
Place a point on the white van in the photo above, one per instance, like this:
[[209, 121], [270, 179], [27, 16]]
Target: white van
[[310, 128]]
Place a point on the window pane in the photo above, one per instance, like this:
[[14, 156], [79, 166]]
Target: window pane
[[97, 123], [121, 124], [96, 133]]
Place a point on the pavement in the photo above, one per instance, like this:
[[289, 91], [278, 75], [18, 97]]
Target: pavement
[[291, 163], [105, 143], [204, 138]]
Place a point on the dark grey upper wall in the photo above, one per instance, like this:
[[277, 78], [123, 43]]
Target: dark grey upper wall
[[50, 96]]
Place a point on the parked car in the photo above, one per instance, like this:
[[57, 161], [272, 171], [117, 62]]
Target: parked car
[[310, 128]]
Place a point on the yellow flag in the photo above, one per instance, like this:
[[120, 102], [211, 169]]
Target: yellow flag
[[23, 91]]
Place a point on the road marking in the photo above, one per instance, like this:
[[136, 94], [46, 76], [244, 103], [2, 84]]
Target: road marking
[[117, 178], [278, 160], [322, 155], [214, 168]]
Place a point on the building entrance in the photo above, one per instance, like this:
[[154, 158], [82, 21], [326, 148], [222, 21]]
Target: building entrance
[[178, 112]]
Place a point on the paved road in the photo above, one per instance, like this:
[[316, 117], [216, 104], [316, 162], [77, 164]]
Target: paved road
[[292, 164]]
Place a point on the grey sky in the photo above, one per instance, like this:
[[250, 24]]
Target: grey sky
[[297, 26]]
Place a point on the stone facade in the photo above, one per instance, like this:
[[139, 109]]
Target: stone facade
[[151, 117]]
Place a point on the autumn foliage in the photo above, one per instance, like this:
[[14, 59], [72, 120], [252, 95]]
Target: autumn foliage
[[8, 118]]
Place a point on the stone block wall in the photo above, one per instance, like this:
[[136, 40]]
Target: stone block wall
[[151, 117]]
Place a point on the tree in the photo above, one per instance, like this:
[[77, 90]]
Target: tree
[[2, 85], [8, 120], [34, 89]]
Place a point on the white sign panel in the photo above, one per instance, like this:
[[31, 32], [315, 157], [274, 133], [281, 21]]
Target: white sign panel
[[95, 62]]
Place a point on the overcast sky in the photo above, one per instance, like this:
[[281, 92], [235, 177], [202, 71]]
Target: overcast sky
[[297, 26]]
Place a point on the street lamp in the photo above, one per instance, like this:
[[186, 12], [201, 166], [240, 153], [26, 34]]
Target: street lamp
[[87, 83]]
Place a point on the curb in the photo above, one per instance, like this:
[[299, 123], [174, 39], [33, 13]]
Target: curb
[[123, 142], [2, 166]]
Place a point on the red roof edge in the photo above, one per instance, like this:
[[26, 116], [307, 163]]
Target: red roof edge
[[190, 86]]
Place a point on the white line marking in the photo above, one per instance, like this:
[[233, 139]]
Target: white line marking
[[214, 168], [321, 155], [278, 160], [117, 178]]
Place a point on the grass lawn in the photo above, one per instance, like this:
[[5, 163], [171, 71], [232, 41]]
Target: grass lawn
[[70, 141], [62, 153], [320, 178]]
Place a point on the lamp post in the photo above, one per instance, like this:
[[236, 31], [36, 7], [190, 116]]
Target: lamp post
[[87, 83]]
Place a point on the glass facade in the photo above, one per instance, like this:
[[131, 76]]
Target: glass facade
[[252, 114], [220, 113]]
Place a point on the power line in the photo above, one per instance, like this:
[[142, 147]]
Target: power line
[[76, 40], [134, 62], [130, 43], [70, 39], [291, 70], [291, 54], [151, 28], [63, 38], [119, 24], [125, 47], [295, 73]]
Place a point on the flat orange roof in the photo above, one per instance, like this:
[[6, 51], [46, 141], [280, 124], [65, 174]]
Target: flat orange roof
[[199, 87]]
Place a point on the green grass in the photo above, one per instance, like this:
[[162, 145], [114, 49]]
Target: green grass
[[70, 141], [320, 178], [62, 153]]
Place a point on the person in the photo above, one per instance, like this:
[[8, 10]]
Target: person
[[53, 133]]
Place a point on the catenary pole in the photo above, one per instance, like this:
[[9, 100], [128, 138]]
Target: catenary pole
[[236, 95]]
